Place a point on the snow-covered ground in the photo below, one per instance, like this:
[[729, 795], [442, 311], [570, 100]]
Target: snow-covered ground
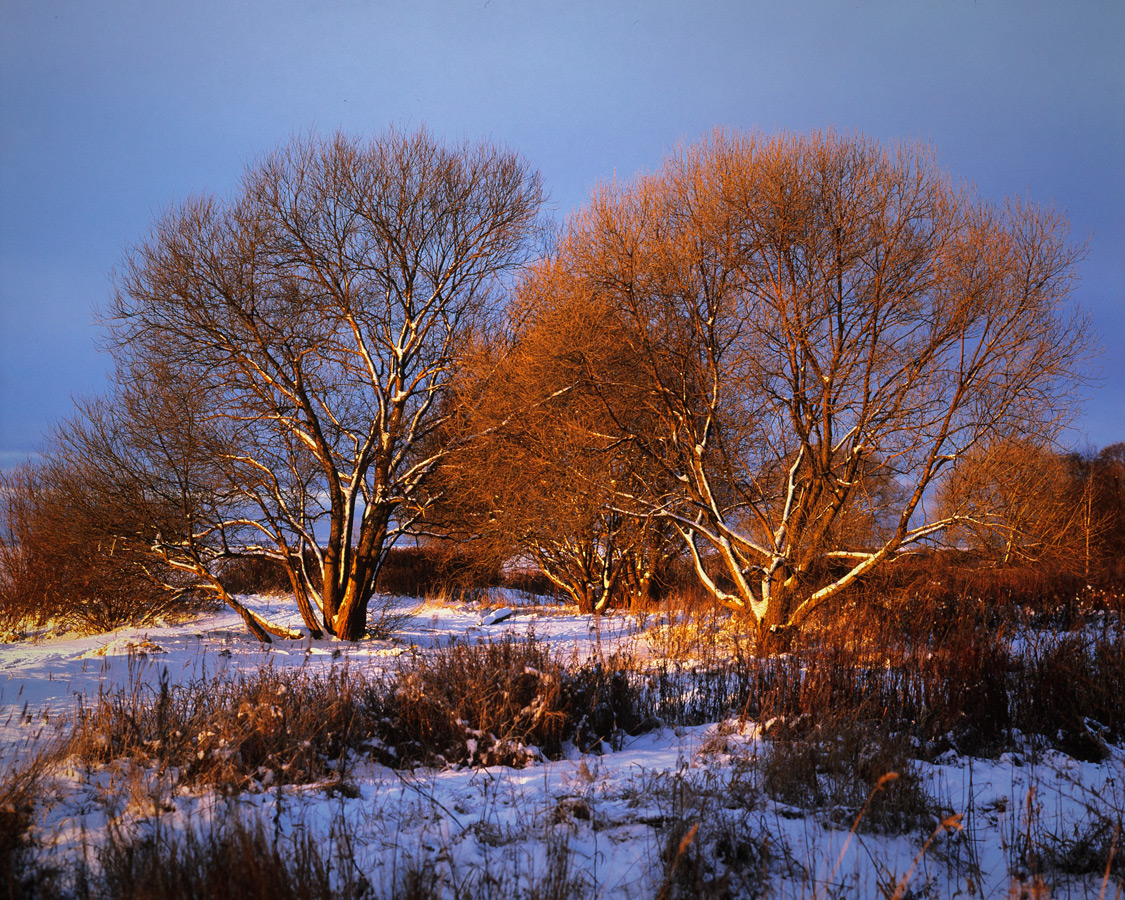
[[613, 824]]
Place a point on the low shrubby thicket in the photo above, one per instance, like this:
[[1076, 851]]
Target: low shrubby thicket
[[970, 688], [70, 555], [234, 860], [846, 772], [438, 571], [845, 721]]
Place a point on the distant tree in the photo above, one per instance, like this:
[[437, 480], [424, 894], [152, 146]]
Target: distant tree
[[1100, 484], [283, 356], [1110, 489], [539, 481], [1019, 502], [808, 316]]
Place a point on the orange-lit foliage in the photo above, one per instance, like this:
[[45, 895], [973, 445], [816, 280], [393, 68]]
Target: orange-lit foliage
[[807, 317], [76, 554], [542, 481]]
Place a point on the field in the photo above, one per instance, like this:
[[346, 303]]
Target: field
[[555, 755]]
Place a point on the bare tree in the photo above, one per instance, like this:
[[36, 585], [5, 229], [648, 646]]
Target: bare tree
[[539, 481], [1098, 483], [283, 356], [808, 315], [153, 452], [1018, 502]]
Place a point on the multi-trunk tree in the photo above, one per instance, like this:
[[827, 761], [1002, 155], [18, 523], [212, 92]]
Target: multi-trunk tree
[[818, 327], [283, 357]]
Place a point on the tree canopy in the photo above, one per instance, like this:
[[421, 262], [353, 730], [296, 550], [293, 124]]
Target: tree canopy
[[283, 356], [768, 353], [819, 328]]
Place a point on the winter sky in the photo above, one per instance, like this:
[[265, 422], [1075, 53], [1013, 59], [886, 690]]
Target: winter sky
[[112, 110]]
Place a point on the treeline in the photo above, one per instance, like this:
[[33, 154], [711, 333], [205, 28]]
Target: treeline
[[767, 370]]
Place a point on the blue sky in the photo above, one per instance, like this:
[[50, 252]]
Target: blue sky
[[111, 111]]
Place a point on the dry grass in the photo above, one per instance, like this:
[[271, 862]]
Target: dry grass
[[837, 768], [507, 702], [711, 840], [495, 703], [232, 861], [234, 733], [850, 717], [23, 786], [691, 628]]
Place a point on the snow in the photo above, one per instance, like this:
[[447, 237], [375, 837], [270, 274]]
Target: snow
[[607, 814], [497, 615]]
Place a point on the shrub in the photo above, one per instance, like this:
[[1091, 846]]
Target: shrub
[[710, 845], [841, 768], [255, 575], [495, 703], [606, 700], [1069, 689], [529, 581], [489, 704], [62, 557], [436, 572]]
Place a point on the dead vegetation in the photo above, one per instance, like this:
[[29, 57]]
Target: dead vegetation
[[845, 725]]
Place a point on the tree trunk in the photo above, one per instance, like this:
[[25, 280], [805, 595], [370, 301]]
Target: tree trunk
[[256, 625], [307, 613], [350, 623], [351, 618], [330, 590], [775, 632], [774, 640]]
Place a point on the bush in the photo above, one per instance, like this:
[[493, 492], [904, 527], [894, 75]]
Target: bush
[[922, 596], [606, 700], [436, 572], [712, 845], [255, 575], [1068, 688], [62, 557], [500, 703], [511, 701]]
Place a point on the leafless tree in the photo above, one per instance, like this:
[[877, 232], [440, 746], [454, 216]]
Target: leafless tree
[[283, 356], [1098, 485], [1018, 502], [1106, 473], [539, 481], [808, 316]]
